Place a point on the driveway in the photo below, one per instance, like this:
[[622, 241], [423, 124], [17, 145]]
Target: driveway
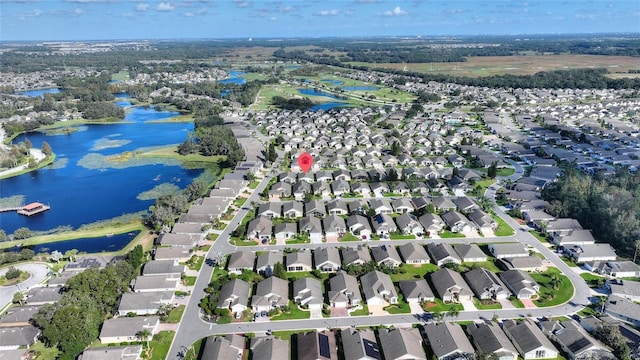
[[528, 304], [416, 308], [38, 273], [506, 304], [339, 312], [468, 305], [316, 313]]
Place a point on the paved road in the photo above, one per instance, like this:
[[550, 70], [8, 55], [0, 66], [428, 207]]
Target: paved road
[[38, 273]]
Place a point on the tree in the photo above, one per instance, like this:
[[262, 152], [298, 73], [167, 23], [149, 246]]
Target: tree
[[609, 333], [18, 298], [3, 236], [71, 254], [28, 143], [46, 148], [453, 312], [32, 163], [555, 281], [279, 270], [22, 233], [144, 335], [493, 170], [12, 273], [635, 252], [56, 256], [392, 174]]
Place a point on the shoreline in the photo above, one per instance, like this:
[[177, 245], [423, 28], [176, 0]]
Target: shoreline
[[79, 234]]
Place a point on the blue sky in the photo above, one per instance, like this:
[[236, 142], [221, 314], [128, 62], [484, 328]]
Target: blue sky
[[175, 19]]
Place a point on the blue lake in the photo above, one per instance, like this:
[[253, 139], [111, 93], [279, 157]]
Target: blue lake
[[314, 92], [40, 92], [234, 78], [88, 245], [332, 82], [359, 88], [328, 105], [81, 187]]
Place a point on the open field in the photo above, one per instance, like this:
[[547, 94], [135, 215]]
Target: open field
[[520, 65], [172, 153]]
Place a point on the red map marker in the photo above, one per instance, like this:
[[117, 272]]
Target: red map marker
[[305, 161]]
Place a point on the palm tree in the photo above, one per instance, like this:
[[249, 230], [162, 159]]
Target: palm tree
[[635, 252], [483, 202], [144, 335], [555, 281], [438, 316], [454, 311]]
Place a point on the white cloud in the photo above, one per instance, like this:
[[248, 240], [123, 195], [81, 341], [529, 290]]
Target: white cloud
[[142, 7], [397, 11], [273, 18], [78, 11], [241, 3], [202, 11], [332, 12], [165, 6]]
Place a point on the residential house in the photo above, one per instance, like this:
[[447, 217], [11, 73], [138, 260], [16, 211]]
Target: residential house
[[432, 223], [443, 254], [285, 231], [465, 205], [355, 256], [152, 283], [292, 209], [402, 205], [361, 188], [358, 207], [455, 222], [308, 292], [529, 340], [409, 224], [524, 263], [489, 338], [416, 291], [270, 210], [360, 345], [317, 345], [386, 255], [378, 288], [448, 341], [298, 261], [234, 295], [267, 260], [521, 284], [270, 293], [443, 204], [508, 250], [359, 225], [450, 286], [337, 207], [591, 252], [483, 221], [625, 289], [619, 269], [574, 340], [315, 208], [573, 237], [228, 347], [561, 226], [401, 344], [340, 188], [260, 228], [413, 253], [280, 190], [240, 261], [623, 309], [344, 290], [380, 206], [129, 352], [486, 285], [15, 337], [144, 303], [470, 253], [327, 259], [334, 227], [178, 240], [312, 226], [268, 348], [127, 329], [170, 268], [43, 295], [383, 225]]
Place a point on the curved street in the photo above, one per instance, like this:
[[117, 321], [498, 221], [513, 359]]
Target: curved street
[[38, 271]]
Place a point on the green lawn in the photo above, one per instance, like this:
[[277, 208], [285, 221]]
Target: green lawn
[[401, 307], [594, 281], [489, 265], [159, 345], [189, 280], [286, 334], [503, 228], [439, 306], [411, 272], [488, 305], [299, 239], [540, 237], [548, 295], [446, 234], [568, 261], [196, 264], [212, 237], [362, 312], [516, 302], [239, 201], [293, 313], [402, 237], [349, 237], [175, 315], [44, 353], [242, 242]]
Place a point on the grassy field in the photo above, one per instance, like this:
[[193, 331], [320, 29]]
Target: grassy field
[[486, 306], [446, 234], [439, 306], [172, 153], [293, 313], [413, 272], [594, 281], [503, 228], [362, 312], [77, 234], [519, 65], [121, 75], [160, 344], [175, 315], [548, 295]]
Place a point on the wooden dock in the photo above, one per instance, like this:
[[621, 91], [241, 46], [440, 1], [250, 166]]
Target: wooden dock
[[33, 209], [9, 209]]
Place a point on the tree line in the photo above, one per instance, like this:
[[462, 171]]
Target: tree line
[[609, 206]]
